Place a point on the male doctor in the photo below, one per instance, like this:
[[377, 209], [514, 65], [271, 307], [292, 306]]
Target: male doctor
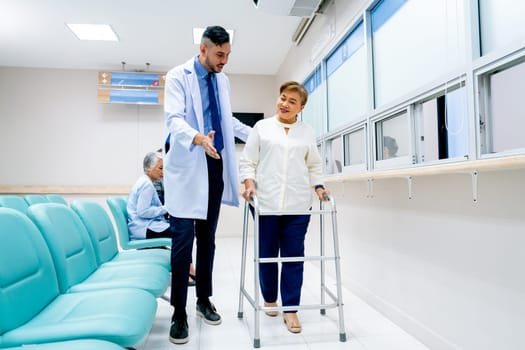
[[200, 170]]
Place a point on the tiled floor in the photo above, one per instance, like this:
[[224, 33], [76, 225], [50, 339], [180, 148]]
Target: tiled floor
[[366, 329]]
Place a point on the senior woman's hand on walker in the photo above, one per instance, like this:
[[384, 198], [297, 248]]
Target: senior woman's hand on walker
[[249, 189], [322, 193]]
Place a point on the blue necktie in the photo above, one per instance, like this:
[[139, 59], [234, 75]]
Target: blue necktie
[[215, 116]]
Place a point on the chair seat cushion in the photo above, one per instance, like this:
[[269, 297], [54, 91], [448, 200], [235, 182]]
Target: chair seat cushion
[[152, 278], [160, 257], [120, 316]]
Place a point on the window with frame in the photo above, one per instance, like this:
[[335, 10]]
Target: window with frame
[[312, 113], [354, 147], [335, 159], [442, 126], [392, 137], [501, 24], [346, 80], [415, 43], [501, 109]]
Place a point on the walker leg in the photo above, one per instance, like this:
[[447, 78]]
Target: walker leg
[[243, 259], [257, 343], [342, 334]]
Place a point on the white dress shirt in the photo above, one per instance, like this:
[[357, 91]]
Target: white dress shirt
[[285, 166]]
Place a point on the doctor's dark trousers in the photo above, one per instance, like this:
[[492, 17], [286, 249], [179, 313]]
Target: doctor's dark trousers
[[184, 230], [284, 234]]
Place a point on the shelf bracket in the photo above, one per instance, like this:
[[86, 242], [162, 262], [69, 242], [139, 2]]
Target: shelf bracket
[[370, 188], [409, 182], [474, 175]]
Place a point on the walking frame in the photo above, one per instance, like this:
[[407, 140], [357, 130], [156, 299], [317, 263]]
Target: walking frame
[[337, 300]]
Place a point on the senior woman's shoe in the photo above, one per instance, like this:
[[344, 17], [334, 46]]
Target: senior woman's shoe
[[271, 313], [292, 322]]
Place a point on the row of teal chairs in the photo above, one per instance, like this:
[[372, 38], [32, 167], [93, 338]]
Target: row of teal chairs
[[65, 284], [22, 203], [117, 205]]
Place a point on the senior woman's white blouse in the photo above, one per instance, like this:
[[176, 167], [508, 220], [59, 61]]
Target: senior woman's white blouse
[[285, 167]]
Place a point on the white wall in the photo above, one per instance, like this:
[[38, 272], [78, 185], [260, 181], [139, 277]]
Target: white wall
[[53, 132], [446, 269]]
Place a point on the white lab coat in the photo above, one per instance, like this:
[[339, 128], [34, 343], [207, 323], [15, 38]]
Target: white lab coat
[[185, 167]]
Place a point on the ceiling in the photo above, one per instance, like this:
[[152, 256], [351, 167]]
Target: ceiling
[[33, 33]]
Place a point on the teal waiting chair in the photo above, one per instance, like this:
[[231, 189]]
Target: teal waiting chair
[[118, 207], [74, 256], [104, 239], [35, 199], [14, 202], [56, 198], [34, 311]]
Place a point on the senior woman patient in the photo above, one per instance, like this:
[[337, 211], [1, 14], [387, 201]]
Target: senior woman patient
[[145, 210], [281, 165]]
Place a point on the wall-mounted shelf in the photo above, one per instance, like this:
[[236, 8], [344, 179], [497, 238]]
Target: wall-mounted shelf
[[73, 190], [131, 87], [472, 168]]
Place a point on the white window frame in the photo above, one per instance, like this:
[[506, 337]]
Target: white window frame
[[401, 161], [418, 123], [356, 168], [482, 103]]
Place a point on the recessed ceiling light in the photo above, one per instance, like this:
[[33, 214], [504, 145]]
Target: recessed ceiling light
[[197, 35], [102, 32]]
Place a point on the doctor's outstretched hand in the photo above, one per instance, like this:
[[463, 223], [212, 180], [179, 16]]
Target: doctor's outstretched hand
[[206, 142]]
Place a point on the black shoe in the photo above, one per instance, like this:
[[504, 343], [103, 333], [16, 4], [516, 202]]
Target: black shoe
[[179, 332], [191, 281], [209, 313]]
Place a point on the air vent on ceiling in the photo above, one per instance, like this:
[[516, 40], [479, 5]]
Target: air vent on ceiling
[[298, 8]]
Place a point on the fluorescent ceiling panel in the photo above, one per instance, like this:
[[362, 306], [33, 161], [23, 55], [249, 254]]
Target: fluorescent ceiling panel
[[102, 32]]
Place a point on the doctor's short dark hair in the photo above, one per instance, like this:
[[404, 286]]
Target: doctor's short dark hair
[[216, 34]]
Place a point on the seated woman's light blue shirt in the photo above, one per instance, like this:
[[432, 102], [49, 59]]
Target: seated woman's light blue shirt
[[145, 211]]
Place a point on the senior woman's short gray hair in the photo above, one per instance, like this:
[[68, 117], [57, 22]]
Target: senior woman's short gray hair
[[150, 160]]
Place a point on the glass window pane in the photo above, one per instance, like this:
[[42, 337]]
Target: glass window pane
[[336, 155], [444, 132], [429, 137], [456, 123], [416, 44], [501, 23], [355, 147], [312, 113], [347, 81], [506, 108], [392, 137]]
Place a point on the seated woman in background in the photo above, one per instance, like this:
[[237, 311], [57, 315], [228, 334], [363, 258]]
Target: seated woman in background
[[146, 211]]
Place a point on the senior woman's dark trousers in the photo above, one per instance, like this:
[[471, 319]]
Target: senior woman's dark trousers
[[184, 230], [284, 234]]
